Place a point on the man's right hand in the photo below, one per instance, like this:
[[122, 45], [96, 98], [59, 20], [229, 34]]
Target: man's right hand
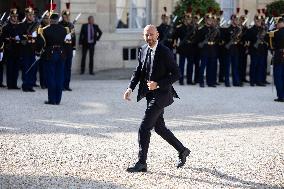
[[127, 94]]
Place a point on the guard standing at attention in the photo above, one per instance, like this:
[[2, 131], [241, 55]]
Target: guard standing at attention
[[70, 46], [51, 42]]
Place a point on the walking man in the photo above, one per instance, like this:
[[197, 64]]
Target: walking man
[[156, 72]]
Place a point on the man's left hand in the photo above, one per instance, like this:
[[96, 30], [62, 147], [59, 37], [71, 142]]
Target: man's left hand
[[152, 85]]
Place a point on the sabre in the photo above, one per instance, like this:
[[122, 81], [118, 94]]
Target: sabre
[[32, 66], [201, 19], [3, 16], [77, 17]]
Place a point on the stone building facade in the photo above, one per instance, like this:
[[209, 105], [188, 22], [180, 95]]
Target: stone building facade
[[122, 23]]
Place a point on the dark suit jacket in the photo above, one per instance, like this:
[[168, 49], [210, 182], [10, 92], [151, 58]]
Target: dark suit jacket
[[83, 40], [165, 72]]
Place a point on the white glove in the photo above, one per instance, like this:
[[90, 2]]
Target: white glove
[[271, 27], [34, 34], [37, 58], [67, 37], [1, 56], [17, 38], [74, 53]]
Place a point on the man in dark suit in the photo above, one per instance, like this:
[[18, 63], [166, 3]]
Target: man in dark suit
[[89, 35], [156, 72]]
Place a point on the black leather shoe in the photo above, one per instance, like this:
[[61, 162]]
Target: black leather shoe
[[36, 85], [2, 86], [212, 86], [201, 85], [67, 89], [260, 85], [138, 167], [279, 100], [47, 102], [182, 157], [92, 73], [31, 90]]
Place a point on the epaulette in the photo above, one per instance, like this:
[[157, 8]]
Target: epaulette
[[271, 33], [67, 29], [40, 30]]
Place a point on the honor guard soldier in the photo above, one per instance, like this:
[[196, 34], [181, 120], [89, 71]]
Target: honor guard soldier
[[70, 46], [184, 34], [28, 37], [206, 39], [42, 77], [243, 48], [257, 50], [50, 46], [277, 44], [10, 35], [221, 50], [232, 38], [166, 31]]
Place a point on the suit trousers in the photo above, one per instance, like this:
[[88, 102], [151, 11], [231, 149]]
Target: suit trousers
[[55, 77], [28, 78], [13, 66], [85, 48], [153, 118], [278, 74], [67, 67]]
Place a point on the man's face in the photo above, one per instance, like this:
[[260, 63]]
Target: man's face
[[209, 21], [151, 35], [30, 16], [280, 25], [91, 20], [235, 21], [14, 18], [257, 22], [65, 18], [46, 20], [165, 19]]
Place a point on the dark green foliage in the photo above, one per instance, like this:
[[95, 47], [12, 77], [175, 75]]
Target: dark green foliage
[[203, 5], [275, 7]]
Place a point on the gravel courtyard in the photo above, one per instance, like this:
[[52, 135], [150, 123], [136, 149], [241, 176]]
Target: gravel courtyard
[[236, 136]]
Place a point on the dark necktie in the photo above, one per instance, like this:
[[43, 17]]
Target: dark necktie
[[148, 64], [91, 32]]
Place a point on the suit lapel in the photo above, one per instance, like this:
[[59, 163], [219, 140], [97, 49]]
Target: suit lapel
[[156, 58]]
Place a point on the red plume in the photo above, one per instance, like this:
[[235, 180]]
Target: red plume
[[238, 10], [221, 12], [68, 5], [263, 11], [210, 9], [165, 9], [246, 12], [14, 5], [189, 9], [274, 14], [28, 3], [258, 10], [197, 12], [53, 6]]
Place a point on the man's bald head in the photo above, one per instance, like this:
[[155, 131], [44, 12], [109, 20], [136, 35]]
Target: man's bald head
[[151, 35]]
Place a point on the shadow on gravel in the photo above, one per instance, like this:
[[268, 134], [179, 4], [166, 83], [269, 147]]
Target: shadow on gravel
[[89, 126], [227, 181], [25, 181]]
